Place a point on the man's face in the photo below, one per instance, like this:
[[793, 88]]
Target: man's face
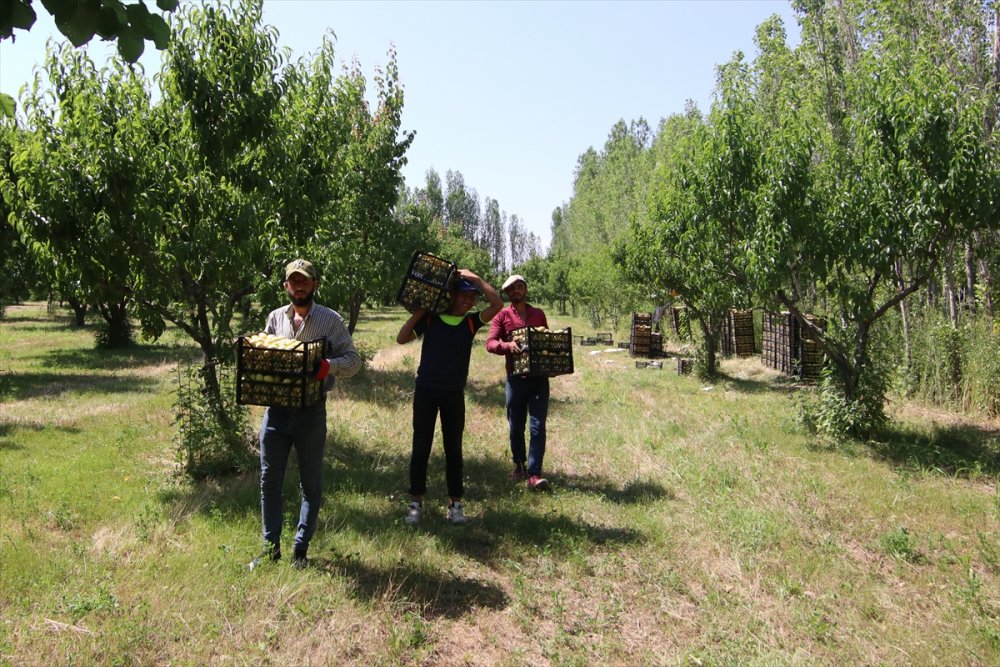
[[300, 289], [517, 292], [463, 301]]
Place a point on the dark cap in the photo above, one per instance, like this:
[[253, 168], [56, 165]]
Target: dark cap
[[463, 285]]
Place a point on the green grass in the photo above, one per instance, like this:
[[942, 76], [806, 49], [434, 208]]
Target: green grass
[[690, 524]]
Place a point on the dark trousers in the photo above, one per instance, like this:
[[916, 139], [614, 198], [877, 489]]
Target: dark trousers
[[427, 403]]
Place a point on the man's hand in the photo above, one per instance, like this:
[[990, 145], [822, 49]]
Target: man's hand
[[322, 369]]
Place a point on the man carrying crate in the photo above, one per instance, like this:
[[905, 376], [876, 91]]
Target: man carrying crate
[[302, 428], [527, 397]]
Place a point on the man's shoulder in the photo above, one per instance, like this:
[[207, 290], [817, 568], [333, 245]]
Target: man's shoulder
[[278, 312]]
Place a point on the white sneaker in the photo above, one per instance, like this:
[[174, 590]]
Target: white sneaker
[[455, 513], [413, 513]]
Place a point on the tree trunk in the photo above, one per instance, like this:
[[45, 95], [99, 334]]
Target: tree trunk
[[119, 326], [970, 278], [356, 300], [951, 291], [904, 314], [79, 311]]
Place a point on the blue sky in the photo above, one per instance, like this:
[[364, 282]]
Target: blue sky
[[508, 93]]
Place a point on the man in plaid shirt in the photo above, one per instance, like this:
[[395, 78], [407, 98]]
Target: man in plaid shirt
[[302, 428]]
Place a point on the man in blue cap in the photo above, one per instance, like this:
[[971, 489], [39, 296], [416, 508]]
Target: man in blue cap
[[440, 386]]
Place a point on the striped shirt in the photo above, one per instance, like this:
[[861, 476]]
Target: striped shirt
[[320, 322]]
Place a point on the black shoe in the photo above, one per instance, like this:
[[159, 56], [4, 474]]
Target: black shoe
[[299, 560], [270, 554]]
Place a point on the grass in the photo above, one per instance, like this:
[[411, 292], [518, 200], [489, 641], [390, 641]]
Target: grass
[[690, 524]]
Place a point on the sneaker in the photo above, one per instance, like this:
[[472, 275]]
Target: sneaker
[[299, 559], [537, 483], [455, 513], [270, 554], [413, 513], [519, 474]]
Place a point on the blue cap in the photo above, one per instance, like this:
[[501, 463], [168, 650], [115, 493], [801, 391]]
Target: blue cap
[[463, 285]]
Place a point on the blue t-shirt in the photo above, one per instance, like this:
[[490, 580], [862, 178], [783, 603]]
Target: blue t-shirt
[[445, 351]]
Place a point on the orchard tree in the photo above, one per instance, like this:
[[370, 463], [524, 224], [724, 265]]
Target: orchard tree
[[75, 177]]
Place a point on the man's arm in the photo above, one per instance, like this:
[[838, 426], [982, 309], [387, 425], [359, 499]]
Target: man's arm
[[344, 359], [495, 339], [406, 332], [496, 303]]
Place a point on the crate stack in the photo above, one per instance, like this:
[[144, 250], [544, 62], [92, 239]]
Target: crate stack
[[642, 330], [777, 341], [655, 345], [549, 353], [427, 283], [789, 347], [811, 356], [280, 377], [744, 343]]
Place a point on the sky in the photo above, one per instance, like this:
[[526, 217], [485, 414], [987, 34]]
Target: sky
[[508, 93]]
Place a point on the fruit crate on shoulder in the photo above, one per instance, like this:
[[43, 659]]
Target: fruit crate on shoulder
[[427, 283], [277, 371]]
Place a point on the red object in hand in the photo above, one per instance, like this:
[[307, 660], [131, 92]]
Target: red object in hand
[[323, 370]]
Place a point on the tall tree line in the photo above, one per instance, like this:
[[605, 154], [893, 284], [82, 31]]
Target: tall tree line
[[852, 177]]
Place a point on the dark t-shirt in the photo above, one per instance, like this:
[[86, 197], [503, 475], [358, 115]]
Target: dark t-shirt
[[445, 351]]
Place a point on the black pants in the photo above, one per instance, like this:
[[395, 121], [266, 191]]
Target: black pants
[[426, 405]]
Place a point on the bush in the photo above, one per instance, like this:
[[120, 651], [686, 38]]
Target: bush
[[830, 413], [215, 435]]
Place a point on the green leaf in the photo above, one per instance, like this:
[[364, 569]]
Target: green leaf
[[167, 5], [79, 26], [22, 16], [160, 32], [130, 45], [7, 105]]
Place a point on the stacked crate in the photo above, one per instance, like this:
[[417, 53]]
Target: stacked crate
[[547, 353], [642, 330], [789, 347], [655, 345], [737, 337], [427, 284], [279, 377], [811, 355]]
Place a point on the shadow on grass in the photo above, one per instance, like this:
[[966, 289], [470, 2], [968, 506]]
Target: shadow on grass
[[131, 357], [961, 451], [780, 384], [436, 593], [8, 431], [22, 386]]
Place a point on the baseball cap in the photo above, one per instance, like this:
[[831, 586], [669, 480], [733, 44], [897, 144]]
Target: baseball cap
[[513, 279], [300, 266], [463, 285]]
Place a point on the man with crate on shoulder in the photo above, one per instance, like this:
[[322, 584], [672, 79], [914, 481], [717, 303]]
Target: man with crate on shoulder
[[440, 386], [527, 397], [302, 428]]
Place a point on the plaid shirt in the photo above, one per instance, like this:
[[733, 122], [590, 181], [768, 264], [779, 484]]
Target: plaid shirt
[[319, 322]]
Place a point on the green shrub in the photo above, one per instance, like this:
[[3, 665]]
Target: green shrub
[[215, 436]]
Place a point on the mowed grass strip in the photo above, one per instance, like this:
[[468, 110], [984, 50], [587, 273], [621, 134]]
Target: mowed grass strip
[[690, 523]]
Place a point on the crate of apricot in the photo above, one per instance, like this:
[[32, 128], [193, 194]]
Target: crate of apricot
[[546, 353], [278, 371], [427, 284]]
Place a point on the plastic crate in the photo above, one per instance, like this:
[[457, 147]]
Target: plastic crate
[[549, 353], [603, 338], [427, 283], [282, 378]]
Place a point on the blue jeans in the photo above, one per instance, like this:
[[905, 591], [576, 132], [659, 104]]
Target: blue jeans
[[282, 429], [527, 397]]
